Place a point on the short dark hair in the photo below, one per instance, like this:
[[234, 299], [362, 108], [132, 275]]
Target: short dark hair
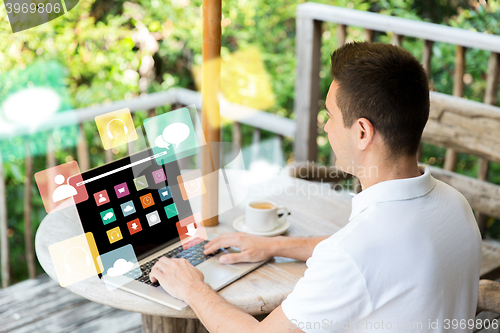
[[386, 85]]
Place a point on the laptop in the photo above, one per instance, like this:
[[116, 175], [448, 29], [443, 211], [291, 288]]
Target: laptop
[[137, 193]]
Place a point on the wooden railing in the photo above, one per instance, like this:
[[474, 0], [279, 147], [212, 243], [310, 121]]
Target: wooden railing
[[476, 135], [260, 120]]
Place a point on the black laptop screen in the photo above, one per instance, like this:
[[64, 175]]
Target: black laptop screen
[[133, 201]]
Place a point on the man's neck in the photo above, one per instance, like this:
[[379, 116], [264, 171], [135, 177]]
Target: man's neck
[[405, 167]]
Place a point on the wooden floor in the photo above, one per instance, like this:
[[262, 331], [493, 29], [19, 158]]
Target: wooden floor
[[41, 305]]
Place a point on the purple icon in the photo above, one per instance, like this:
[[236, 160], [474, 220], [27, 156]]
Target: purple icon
[[159, 176], [121, 190]]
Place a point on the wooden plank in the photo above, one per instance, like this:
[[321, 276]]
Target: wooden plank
[[82, 150], [152, 324], [4, 239], [308, 50], [245, 115], [211, 121], [28, 233], [400, 26], [41, 305], [464, 125], [341, 34], [482, 196]]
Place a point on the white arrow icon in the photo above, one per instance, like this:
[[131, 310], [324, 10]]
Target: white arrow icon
[[134, 226], [191, 229]]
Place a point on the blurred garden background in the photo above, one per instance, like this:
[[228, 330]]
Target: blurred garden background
[[108, 50]]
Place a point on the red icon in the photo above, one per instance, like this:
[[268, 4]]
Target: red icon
[[191, 231], [134, 226], [101, 198], [61, 186], [147, 200]]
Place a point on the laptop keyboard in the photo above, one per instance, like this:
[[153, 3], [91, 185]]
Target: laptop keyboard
[[193, 254]]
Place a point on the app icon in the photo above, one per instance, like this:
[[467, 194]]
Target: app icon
[[108, 216], [140, 183], [61, 186], [171, 210], [191, 231], [120, 266], [128, 208], [147, 200], [114, 235], [121, 190], [101, 197], [172, 134], [74, 259], [191, 184], [134, 226], [153, 218], [116, 128], [165, 193], [159, 176]]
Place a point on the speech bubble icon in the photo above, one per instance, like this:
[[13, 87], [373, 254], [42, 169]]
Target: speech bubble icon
[[159, 142], [175, 133]]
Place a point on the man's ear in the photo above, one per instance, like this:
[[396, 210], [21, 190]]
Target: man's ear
[[364, 133]]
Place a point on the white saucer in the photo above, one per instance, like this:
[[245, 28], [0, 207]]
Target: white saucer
[[240, 225]]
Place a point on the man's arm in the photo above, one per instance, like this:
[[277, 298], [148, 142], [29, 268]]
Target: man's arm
[[182, 280], [255, 248]]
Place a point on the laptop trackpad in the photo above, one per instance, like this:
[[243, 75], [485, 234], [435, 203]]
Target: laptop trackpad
[[215, 273]]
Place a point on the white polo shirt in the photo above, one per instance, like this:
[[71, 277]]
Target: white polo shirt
[[408, 260]]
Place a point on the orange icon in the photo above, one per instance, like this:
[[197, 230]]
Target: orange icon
[[147, 200]]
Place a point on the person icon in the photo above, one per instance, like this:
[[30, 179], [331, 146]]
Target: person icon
[[64, 191], [102, 199]]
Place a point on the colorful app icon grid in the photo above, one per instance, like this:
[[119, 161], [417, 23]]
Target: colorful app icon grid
[[140, 183], [171, 210], [108, 216], [121, 190], [165, 193]]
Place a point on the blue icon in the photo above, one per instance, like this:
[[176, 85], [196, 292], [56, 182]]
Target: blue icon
[[120, 266], [165, 193], [128, 208]]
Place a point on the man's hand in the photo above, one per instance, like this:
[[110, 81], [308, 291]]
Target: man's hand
[[253, 248], [179, 278]]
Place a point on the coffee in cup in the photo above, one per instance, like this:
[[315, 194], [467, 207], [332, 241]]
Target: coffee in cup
[[262, 215]]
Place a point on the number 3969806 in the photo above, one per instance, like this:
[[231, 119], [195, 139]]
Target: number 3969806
[[33, 8]]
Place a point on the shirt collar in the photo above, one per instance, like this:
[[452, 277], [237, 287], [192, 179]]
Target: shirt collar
[[394, 190]]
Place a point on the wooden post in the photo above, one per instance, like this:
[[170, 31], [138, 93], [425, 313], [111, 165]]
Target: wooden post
[[28, 234], [396, 39], [450, 162], [4, 239], [82, 150], [369, 35], [341, 34], [210, 107], [255, 144], [308, 50], [51, 157], [490, 97], [426, 63]]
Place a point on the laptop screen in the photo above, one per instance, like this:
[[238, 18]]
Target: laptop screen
[[133, 201]]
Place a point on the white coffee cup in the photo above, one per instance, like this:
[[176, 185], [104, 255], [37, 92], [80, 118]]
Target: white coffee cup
[[262, 215]]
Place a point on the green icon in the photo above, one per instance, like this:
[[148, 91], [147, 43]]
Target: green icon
[[172, 135], [171, 210], [140, 183], [108, 216]]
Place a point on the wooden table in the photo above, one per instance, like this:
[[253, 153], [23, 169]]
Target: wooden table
[[316, 210]]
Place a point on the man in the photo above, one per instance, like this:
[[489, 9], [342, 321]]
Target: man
[[409, 257]]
